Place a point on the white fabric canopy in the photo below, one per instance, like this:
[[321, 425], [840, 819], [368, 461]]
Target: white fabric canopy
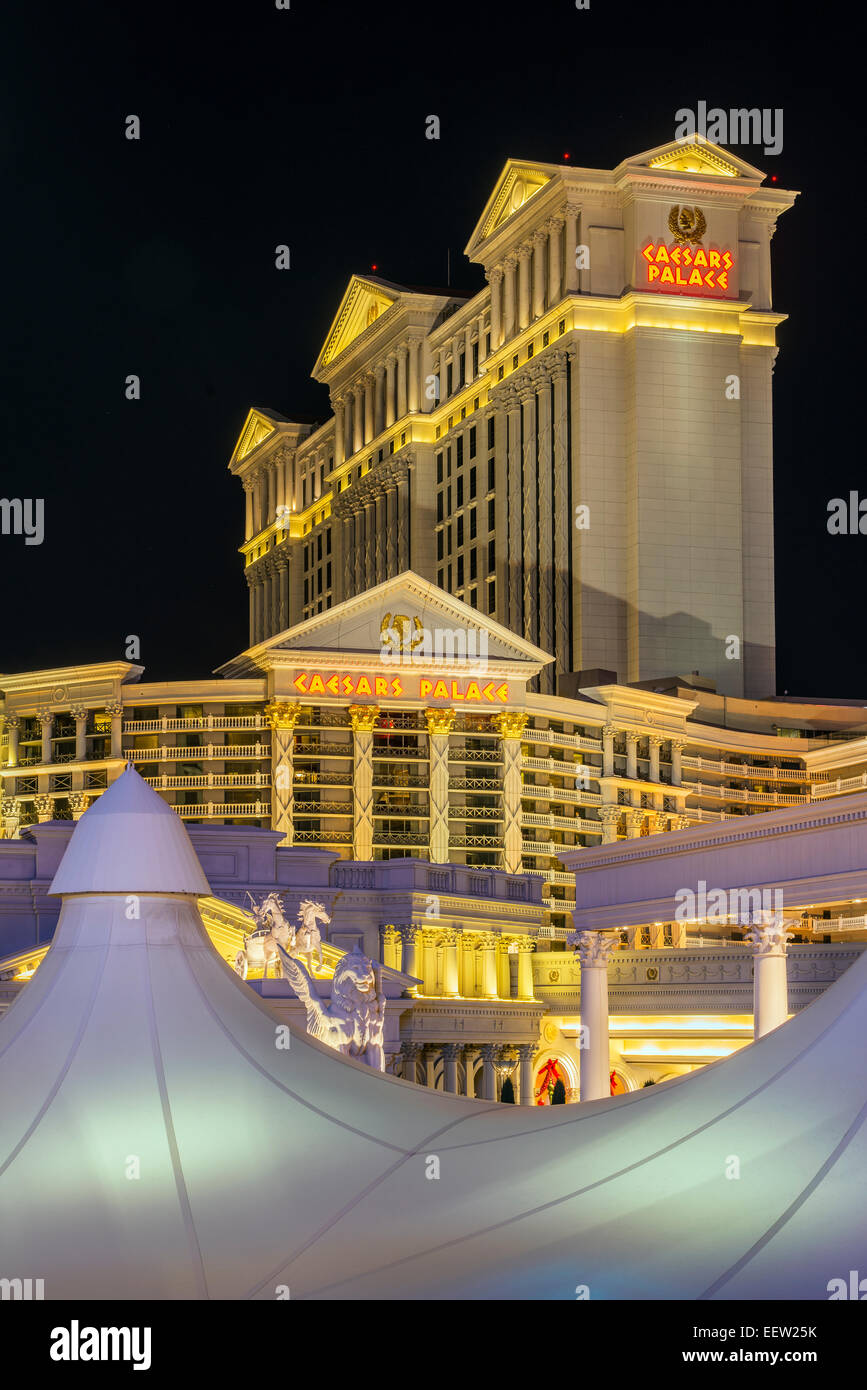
[[136, 1050]]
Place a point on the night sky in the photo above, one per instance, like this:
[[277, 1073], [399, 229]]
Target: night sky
[[307, 127]]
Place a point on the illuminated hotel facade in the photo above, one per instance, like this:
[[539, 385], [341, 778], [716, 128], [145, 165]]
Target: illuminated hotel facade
[[445, 670]]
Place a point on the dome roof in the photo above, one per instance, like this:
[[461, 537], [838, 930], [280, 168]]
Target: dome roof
[[130, 841]]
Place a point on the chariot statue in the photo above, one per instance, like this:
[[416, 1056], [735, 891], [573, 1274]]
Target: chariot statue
[[354, 1021], [273, 928]]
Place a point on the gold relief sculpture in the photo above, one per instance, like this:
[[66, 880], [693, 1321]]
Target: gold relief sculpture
[[439, 721], [687, 224], [281, 714], [364, 718], [510, 723]]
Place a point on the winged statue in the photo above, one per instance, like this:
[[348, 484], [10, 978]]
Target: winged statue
[[354, 1021]]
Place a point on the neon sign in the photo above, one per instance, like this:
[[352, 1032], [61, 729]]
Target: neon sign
[[401, 687], [675, 268]]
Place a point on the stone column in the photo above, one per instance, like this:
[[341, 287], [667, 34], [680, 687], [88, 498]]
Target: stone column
[[79, 714], [409, 955], [609, 732], [390, 938], [554, 227], [525, 1073], [770, 984], [610, 816], [634, 821], [413, 387], [524, 255], [379, 398], [339, 424], [439, 723], [512, 402], [540, 245], [677, 747], [504, 969], [655, 742], [530, 515], [44, 808], [78, 804], [10, 816], [470, 1054], [451, 943], [390, 368], [632, 756], [594, 949], [429, 941], [281, 719], [562, 522], [431, 1052], [401, 382], [488, 947], [13, 728], [546, 532], [46, 719], [509, 298], [409, 1052], [510, 726], [368, 406], [450, 1068], [489, 1073], [570, 248], [525, 969], [364, 719], [248, 508], [115, 709], [467, 956], [357, 418], [495, 280]]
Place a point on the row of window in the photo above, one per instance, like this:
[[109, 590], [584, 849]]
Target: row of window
[[317, 583]]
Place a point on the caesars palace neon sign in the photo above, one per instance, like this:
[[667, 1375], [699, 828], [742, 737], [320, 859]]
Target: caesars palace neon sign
[[684, 264], [406, 687]]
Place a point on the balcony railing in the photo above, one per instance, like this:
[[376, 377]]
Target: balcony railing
[[721, 793], [399, 779], [475, 755], [564, 740], [197, 780], [323, 750], [840, 784], [208, 721], [304, 778], [210, 810], [322, 837], [322, 808], [755, 773], [226, 752]]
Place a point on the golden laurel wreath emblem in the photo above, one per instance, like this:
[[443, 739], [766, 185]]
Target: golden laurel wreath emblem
[[687, 224], [398, 633]]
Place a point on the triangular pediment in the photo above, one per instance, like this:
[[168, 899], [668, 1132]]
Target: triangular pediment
[[364, 302], [258, 426], [517, 185], [404, 617], [694, 155]]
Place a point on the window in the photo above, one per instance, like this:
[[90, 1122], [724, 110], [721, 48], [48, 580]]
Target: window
[[472, 523], [487, 344], [319, 581], [561, 327], [490, 432], [474, 557], [449, 380], [500, 371], [439, 468], [460, 451], [492, 557], [439, 545], [461, 369], [328, 541], [460, 531], [515, 363], [449, 461], [439, 506], [491, 474], [475, 360], [474, 598], [492, 521], [306, 590], [303, 493], [449, 500], [307, 557], [440, 578], [449, 532], [492, 597], [472, 441], [460, 583], [460, 490], [472, 483], [328, 575], [530, 350], [449, 576], [319, 546], [546, 338]]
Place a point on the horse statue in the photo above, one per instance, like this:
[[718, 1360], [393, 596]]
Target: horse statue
[[354, 1021], [261, 946], [307, 937]]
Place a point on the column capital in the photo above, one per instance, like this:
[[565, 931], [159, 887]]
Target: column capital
[[281, 714], [409, 933], [655, 740], [79, 711], [79, 802], [451, 1051], [449, 936], [114, 708], [494, 276], [439, 721], [510, 724], [45, 715], [525, 1051], [489, 1051], [410, 1049], [610, 814], [594, 948], [12, 721], [610, 731], [363, 718], [554, 223], [510, 261], [525, 251], [769, 938], [633, 738]]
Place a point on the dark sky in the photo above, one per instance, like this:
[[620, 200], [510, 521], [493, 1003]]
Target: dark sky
[[307, 127]]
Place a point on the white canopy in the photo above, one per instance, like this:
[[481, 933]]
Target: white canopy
[[157, 1142]]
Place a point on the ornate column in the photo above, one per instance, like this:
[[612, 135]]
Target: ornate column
[[553, 227], [413, 386], [504, 970], [78, 803], [379, 398], [451, 942], [531, 515], [401, 381], [115, 709], [634, 821], [364, 719], [368, 407], [525, 1052], [44, 808], [248, 486], [594, 949], [429, 941], [46, 719], [632, 756], [546, 531], [516, 501], [281, 564], [572, 211], [439, 723], [655, 741], [495, 280], [409, 955], [467, 955], [390, 937], [409, 1052], [470, 1054], [357, 394], [488, 948], [677, 747], [390, 368], [510, 725], [509, 297], [609, 815], [524, 256], [10, 815], [281, 719], [450, 1068], [489, 1071], [609, 732], [540, 244], [525, 970], [770, 984], [13, 727], [431, 1052], [562, 532], [339, 430], [79, 714]]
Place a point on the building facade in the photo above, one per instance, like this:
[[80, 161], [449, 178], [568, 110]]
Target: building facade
[[581, 451]]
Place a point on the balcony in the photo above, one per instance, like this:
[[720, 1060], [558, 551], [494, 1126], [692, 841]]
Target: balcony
[[399, 779], [224, 751], [322, 808], [564, 740], [475, 755], [322, 837], [396, 754], [194, 781], [474, 784], [323, 750], [208, 721], [483, 813], [840, 784], [210, 810], [304, 778], [756, 774], [406, 837], [721, 793]]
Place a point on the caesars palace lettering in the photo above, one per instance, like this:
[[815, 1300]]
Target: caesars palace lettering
[[396, 687], [678, 267]]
